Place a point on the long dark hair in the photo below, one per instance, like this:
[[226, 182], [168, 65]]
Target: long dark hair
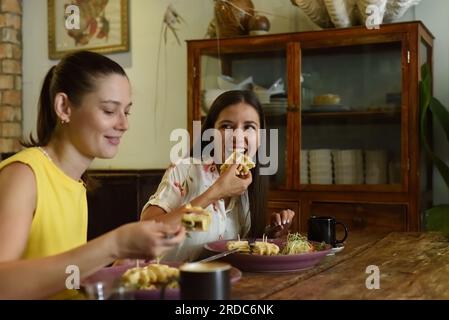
[[75, 75], [257, 190]]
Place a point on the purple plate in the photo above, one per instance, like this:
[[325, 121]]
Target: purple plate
[[278, 263], [111, 276]]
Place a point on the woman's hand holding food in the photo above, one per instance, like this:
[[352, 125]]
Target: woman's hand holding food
[[280, 223], [229, 184], [146, 239]]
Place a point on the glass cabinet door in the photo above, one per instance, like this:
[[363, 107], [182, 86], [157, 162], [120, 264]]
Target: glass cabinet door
[[263, 71], [351, 113]]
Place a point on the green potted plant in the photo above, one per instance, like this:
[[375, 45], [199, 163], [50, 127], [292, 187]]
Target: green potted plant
[[437, 218]]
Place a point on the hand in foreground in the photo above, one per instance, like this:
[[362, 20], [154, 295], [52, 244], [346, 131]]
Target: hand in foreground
[[280, 223], [229, 184], [147, 239]]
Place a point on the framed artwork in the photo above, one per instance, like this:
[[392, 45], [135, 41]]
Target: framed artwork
[[95, 25]]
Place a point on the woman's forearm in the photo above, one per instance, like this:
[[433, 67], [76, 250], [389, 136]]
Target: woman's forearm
[[44, 277], [206, 198], [174, 217], [158, 214]]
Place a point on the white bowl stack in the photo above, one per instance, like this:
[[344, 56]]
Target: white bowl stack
[[348, 166], [376, 166], [304, 167], [320, 164]]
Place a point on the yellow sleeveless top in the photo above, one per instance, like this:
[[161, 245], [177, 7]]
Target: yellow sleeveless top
[[60, 220]]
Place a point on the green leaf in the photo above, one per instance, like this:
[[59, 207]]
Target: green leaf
[[441, 114], [425, 86], [442, 168], [437, 219]]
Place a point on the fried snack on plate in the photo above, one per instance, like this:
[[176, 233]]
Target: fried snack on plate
[[264, 248], [245, 163], [152, 276], [196, 218], [243, 246]]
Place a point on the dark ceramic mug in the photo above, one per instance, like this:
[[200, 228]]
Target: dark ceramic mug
[[323, 229], [205, 281]]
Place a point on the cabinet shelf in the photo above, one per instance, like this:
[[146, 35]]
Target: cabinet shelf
[[352, 116]]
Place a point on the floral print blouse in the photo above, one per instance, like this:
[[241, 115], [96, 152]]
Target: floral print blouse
[[184, 182]]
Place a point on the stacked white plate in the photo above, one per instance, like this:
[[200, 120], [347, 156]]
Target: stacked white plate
[[376, 166], [304, 167], [348, 166], [320, 164]]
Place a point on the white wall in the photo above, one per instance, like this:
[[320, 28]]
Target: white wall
[[147, 144]]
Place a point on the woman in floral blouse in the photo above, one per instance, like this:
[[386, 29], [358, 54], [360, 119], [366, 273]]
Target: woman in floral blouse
[[237, 204]]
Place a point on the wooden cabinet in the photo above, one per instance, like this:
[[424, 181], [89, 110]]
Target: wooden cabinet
[[119, 198], [347, 119], [364, 217]]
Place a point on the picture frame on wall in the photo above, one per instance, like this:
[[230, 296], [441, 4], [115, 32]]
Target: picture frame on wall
[[95, 25]]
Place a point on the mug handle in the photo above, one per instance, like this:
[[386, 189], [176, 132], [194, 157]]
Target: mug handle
[[346, 232]]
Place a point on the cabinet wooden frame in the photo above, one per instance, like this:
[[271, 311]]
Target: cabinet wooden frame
[[410, 35]]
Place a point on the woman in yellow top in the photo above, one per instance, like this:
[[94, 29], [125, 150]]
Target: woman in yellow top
[[83, 113]]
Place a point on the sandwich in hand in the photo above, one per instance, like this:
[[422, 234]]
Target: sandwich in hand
[[245, 163], [196, 218]]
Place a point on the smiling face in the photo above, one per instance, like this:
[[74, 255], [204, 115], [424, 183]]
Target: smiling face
[[97, 125], [238, 125]]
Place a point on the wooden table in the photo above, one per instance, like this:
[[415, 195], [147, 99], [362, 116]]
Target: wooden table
[[411, 266]]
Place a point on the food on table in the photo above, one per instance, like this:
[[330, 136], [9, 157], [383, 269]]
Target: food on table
[[326, 99], [242, 245], [297, 243], [265, 248], [152, 276], [196, 218], [245, 163]]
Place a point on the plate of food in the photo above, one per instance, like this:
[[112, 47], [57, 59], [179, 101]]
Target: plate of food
[[149, 281], [272, 255]]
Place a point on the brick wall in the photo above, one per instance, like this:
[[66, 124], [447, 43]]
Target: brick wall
[[10, 75]]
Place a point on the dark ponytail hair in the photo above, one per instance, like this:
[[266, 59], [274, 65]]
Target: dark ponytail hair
[[75, 75], [257, 190]]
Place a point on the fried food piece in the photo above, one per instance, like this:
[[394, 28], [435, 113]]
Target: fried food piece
[[265, 248], [152, 276], [243, 246], [245, 163], [196, 218]]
